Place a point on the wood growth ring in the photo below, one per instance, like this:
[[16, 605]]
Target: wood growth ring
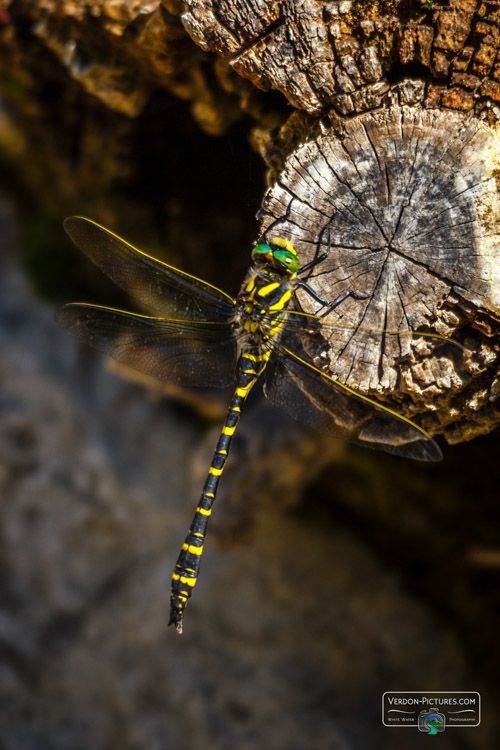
[[412, 199]]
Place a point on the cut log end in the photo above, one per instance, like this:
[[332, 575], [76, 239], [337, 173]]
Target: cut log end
[[410, 197]]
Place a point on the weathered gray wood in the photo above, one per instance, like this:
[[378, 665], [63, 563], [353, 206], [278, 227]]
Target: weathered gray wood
[[411, 195]]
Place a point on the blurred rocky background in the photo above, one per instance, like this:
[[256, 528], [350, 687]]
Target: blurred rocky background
[[331, 573]]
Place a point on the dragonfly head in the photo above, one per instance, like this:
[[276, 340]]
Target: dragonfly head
[[279, 254]]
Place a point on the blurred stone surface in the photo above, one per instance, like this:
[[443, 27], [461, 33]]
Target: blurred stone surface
[[290, 639]]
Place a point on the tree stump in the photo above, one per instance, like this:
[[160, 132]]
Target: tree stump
[[410, 196]]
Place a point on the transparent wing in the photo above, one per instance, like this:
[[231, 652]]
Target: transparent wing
[[343, 332], [191, 353], [317, 400], [162, 288], [362, 357]]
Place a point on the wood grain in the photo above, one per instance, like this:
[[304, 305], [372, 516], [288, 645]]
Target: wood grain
[[411, 198]]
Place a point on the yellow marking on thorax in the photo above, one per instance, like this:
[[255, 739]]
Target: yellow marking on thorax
[[250, 285], [280, 304], [264, 290]]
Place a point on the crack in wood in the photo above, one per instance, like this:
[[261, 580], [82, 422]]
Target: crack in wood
[[260, 39], [358, 199], [413, 203]]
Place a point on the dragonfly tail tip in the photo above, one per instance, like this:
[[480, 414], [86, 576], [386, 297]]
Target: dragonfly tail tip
[[177, 621]]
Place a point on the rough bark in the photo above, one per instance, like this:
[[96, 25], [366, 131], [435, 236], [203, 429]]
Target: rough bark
[[324, 54]]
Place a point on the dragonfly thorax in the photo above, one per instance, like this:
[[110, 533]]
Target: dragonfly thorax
[[262, 302]]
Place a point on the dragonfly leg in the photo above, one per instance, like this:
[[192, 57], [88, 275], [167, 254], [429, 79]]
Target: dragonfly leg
[[320, 258], [276, 221], [331, 305]]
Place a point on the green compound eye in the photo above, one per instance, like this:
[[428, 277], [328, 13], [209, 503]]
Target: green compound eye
[[289, 260], [261, 250]]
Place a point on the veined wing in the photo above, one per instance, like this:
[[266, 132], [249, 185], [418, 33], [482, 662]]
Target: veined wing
[[314, 398], [191, 353], [361, 356], [342, 331], [162, 288]]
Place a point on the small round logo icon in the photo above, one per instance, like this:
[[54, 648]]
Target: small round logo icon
[[431, 722]]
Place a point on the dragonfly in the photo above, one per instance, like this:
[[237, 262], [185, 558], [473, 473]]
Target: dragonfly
[[197, 335]]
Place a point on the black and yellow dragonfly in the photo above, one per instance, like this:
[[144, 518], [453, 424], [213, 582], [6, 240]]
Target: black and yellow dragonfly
[[200, 336]]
